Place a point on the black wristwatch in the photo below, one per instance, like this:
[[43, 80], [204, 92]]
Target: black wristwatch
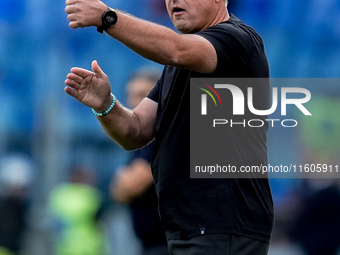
[[109, 18]]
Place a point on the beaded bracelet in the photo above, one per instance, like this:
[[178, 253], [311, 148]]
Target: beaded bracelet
[[101, 114]]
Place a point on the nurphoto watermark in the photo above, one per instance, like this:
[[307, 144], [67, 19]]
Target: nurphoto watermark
[[229, 121]]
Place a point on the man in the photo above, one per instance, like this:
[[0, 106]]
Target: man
[[200, 216], [133, 183], [75, 207]]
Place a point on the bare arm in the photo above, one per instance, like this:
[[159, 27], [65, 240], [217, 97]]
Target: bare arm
[[131, 181], [165, 46], [152, 41], [130, 129]]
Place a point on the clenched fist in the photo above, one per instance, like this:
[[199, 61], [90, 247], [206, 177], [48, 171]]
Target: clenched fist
[[85, 13]]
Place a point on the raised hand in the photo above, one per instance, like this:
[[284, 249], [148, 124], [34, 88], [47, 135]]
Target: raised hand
[[90, 88], [85, 13]]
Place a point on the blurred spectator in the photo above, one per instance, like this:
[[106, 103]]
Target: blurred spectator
[[316, 227], [320, 133], [16, 174], [133, 183], [75, 206]]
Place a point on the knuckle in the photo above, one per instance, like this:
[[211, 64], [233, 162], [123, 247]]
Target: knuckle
[[77, 8]]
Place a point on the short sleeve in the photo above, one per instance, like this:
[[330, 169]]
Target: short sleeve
[[154, 92], [232, 47]]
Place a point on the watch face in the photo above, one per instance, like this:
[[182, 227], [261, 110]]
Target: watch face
[[110, 18]]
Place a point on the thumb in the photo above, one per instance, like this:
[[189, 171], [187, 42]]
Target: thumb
[[96, 69]]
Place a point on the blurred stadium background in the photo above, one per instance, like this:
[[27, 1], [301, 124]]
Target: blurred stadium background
[[44, 133]]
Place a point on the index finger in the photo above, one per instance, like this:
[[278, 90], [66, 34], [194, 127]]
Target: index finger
[[81, 72]]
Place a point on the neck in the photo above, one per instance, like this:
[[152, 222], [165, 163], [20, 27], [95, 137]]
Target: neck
[[221, 17], [226, 17]]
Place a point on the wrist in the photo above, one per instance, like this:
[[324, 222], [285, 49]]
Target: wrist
[[108, 19], [107, 107], [101, 10]]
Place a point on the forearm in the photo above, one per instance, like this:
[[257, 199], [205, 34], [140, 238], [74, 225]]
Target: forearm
[[124, 127], [150, 40], [131, 181]]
